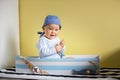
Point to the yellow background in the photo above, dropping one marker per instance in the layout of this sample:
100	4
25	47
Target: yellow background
88	27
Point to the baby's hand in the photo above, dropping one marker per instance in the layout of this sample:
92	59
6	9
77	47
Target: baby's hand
58	48
62	43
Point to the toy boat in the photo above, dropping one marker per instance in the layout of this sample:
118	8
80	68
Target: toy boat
68	65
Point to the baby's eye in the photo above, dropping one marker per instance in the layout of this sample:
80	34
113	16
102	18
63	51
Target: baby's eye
56	29
50	28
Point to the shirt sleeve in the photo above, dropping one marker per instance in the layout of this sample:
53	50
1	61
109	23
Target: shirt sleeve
44	49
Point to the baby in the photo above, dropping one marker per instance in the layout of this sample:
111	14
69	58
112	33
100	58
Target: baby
49	44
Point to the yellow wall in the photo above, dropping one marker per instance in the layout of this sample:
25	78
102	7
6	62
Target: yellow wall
89	27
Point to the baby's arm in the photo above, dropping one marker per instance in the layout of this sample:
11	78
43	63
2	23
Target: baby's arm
48	51
45	50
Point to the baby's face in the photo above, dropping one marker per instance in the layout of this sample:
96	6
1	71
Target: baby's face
51	31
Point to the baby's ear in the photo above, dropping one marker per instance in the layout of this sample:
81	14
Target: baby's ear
59	27
43	28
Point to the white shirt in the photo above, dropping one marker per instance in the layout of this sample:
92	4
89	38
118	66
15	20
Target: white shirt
46	48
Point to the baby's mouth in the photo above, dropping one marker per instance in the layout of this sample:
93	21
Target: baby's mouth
52	35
